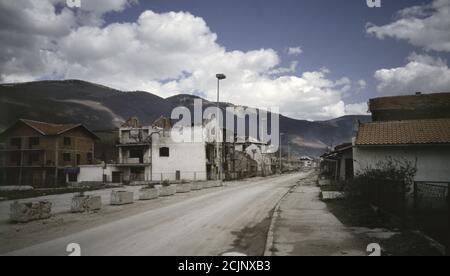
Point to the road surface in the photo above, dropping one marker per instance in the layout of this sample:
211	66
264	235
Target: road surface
196	225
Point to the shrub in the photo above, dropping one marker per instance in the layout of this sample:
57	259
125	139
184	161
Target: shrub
166	183
393	175
149	186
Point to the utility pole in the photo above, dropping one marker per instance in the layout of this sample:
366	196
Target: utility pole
289	152
263	140
218	156
281	162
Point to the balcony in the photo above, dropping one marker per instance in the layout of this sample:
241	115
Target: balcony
135	162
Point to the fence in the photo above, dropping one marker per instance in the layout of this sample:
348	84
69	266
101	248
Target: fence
389	196
427	207
179	176
431	209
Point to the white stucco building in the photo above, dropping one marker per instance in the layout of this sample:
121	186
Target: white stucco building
423	143
110	173
155	153
175	159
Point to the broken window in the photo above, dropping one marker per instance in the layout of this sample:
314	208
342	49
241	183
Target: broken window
67	157
164	152
15	158
16	142
33	141
34	157
67	141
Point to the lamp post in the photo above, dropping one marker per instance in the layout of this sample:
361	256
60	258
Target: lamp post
263	140
281	163
289	155
218	158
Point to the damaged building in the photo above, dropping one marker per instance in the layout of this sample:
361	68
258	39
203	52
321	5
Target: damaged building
41	154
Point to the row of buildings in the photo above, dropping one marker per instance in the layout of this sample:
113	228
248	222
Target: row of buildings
413	128
42	154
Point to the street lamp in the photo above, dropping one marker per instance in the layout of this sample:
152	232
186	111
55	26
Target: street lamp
281	164
219	163
263	140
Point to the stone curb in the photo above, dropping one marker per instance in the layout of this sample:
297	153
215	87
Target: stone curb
270	234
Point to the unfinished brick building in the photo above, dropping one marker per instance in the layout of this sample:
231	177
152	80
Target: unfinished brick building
41	154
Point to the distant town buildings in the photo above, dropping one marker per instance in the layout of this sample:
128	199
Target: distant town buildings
42	154
150	154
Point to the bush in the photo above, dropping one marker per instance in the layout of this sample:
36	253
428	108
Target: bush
166	183
390	175
149	186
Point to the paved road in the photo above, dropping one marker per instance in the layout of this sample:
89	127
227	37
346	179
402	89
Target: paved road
202	225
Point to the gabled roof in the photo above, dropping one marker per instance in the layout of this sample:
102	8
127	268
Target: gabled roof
431	131
48	129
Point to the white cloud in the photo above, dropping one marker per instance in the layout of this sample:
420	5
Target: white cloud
163	53
422	73
295	51
357	108
284	70
425	26
362	84
105	6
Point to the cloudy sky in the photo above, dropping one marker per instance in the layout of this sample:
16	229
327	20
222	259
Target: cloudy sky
315	59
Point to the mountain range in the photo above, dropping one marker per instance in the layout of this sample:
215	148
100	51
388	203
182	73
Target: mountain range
103	110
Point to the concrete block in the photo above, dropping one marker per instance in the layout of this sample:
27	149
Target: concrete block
332	195
15	188
197	186
184	188
29	211
324	182
167	190
217	184
139	183
121	197
209	184
148	193
213	184
82	204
